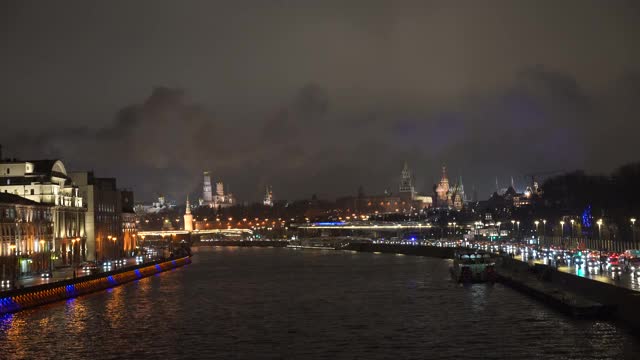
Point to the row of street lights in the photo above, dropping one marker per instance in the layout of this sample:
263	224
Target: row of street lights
599	222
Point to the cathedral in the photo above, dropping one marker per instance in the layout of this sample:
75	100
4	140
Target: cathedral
449	196
217	200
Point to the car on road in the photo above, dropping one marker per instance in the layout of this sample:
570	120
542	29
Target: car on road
89	266
46	275
613	263
593	261
634	266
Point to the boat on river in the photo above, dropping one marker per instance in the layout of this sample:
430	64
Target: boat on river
473	266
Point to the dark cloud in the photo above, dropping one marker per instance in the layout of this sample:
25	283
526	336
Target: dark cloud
323	98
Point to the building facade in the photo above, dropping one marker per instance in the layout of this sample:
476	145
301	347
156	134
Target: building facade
26	236
449	196
129	223
46	182
103	217
216	200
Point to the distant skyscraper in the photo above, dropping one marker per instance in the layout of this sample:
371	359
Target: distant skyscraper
207	195
188	218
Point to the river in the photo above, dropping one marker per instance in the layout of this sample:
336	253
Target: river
266	303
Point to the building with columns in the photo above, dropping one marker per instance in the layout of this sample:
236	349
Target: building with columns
26	236
46	182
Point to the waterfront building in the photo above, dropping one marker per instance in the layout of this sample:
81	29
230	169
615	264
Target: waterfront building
188	218
26	236
268	197
110	218
47	182
129	222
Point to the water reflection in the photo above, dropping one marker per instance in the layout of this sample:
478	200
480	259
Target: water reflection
279	303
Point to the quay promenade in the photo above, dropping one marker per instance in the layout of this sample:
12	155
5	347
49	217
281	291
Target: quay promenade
32	296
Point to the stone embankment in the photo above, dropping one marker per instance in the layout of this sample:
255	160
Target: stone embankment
571	294
16	300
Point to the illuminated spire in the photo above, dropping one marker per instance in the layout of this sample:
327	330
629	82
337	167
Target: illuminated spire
188	210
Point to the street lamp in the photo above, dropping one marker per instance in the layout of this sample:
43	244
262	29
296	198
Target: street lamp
13	272
537	232
544	229
599	222
562	233
73	258
42	250
572	222
633	231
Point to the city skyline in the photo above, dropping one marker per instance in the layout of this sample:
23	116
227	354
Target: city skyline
439	87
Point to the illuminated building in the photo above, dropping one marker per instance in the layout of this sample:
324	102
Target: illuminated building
26	235
155	208
129	225
188	218
407	191
220	199
268	197
449	197
407	200
207	195
47	182
110	220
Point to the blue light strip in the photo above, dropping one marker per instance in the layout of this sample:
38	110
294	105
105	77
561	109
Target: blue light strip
339	223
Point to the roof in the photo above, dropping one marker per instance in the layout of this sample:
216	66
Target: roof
42	166
6	198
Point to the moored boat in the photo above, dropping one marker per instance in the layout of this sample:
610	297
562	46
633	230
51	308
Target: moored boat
473	266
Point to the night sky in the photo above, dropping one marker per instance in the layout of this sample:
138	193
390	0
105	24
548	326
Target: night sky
320	96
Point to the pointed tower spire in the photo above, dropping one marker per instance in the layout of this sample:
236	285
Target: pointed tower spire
188	218
497	186
512	183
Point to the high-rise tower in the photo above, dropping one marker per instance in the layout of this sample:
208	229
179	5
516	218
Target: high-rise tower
207	195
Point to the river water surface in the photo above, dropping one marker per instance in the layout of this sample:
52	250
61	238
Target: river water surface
264	303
